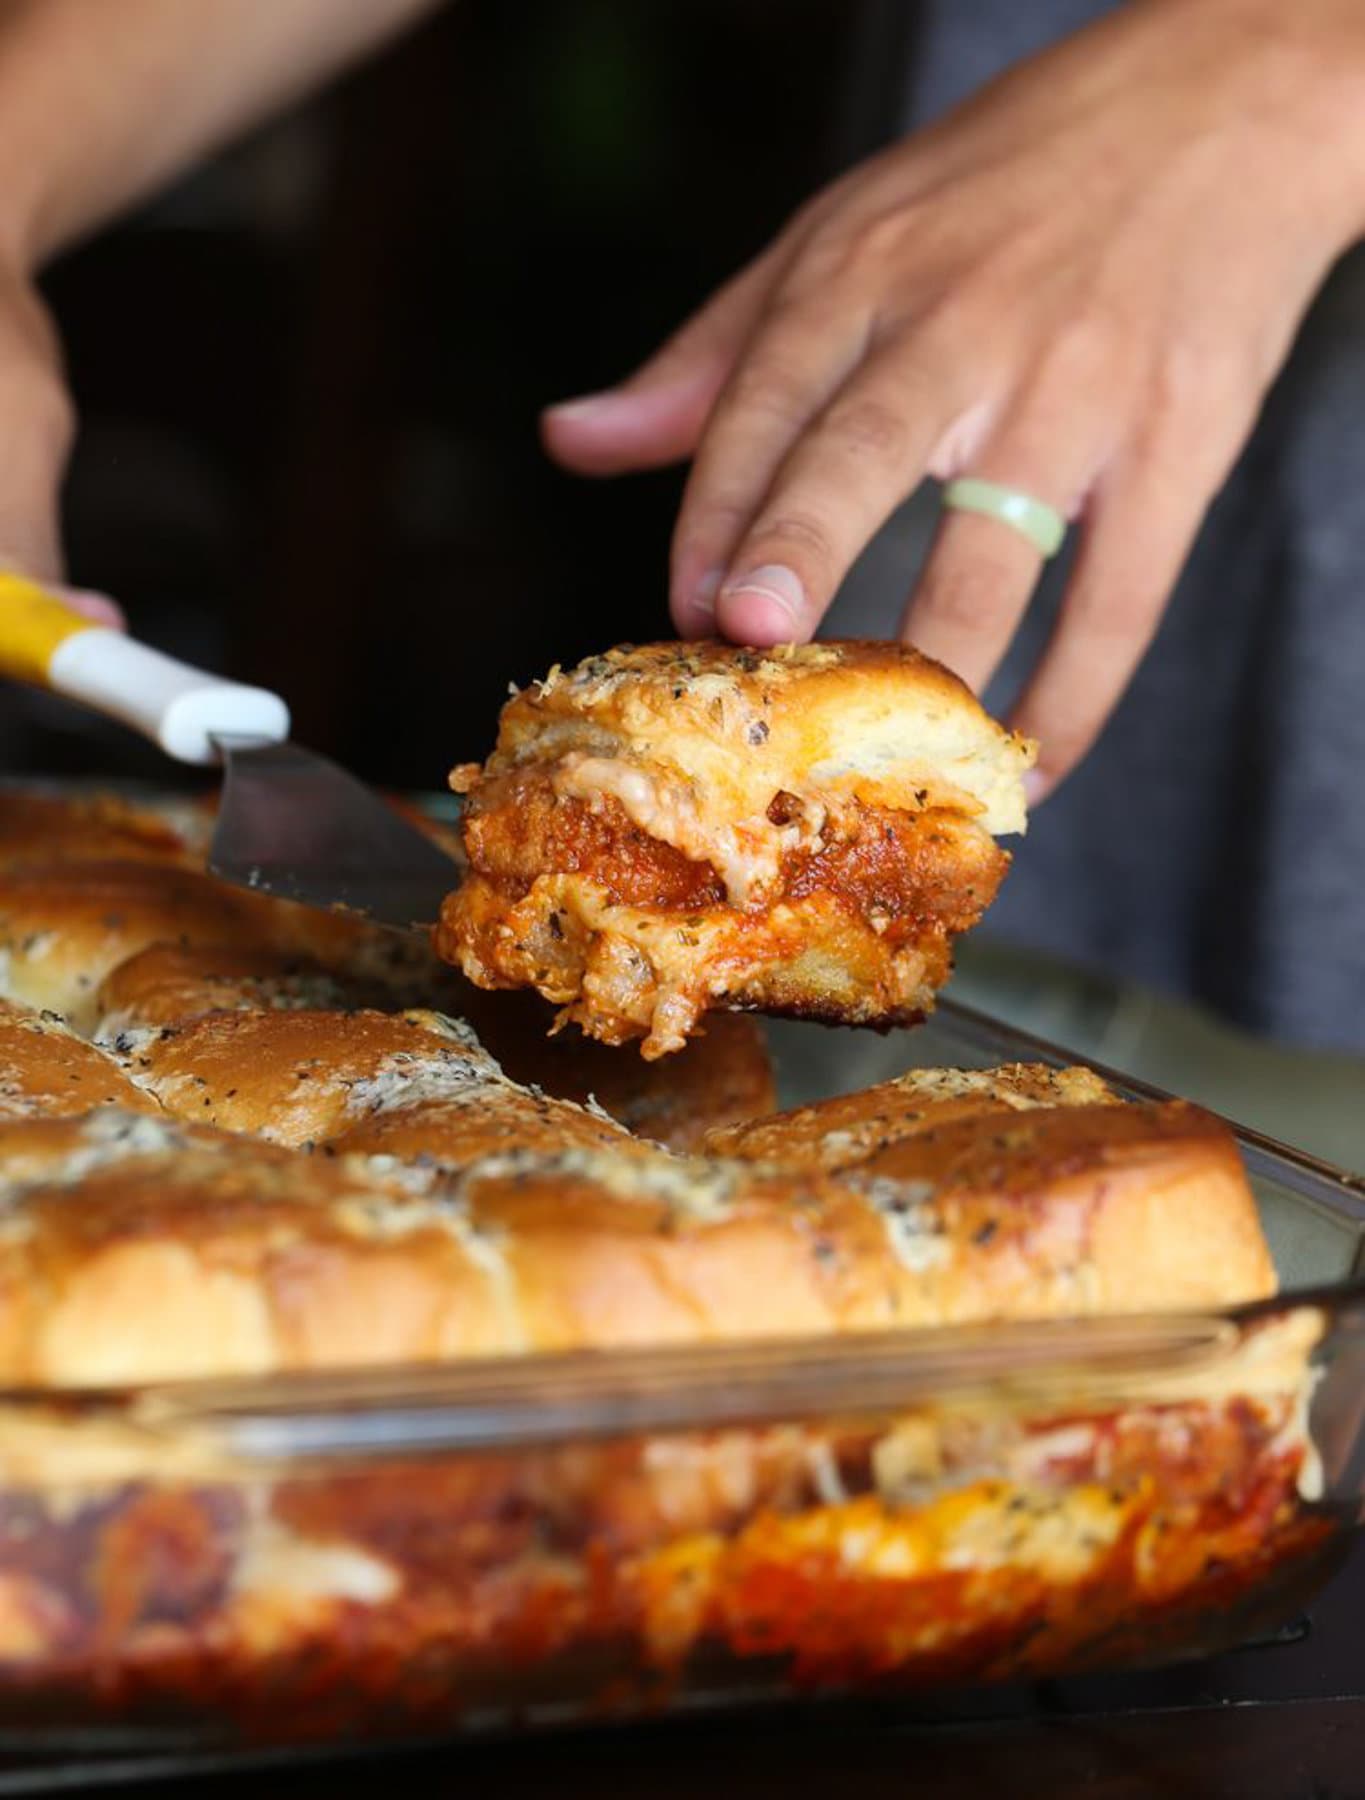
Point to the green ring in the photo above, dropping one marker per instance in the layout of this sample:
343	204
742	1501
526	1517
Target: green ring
1041	524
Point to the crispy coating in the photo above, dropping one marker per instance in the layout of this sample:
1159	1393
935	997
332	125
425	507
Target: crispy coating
626	973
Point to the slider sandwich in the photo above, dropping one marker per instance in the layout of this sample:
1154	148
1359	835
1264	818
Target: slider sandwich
679	827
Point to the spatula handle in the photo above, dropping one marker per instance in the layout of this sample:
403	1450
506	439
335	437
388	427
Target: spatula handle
45	642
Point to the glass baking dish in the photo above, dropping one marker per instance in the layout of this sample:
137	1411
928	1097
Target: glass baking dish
556	1539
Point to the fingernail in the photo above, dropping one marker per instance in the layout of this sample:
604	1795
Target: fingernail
98	607
703	596
771	582
584	406
1036	786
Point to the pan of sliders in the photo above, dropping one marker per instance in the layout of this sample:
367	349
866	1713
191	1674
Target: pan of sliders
374	1364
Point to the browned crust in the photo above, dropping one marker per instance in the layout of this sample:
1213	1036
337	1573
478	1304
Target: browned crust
169	984
48	1072
300	1076
65	926
487	1218
40	827
675	687
845	1131
279	1264
501	1118
1160	1184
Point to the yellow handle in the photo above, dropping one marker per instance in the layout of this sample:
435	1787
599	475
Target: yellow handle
32	624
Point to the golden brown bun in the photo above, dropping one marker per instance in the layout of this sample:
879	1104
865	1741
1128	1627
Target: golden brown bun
66	925
452	1133
1003	1158
844	1132
189	1258
413	1085
298	1077
868	720
42	827
48	1072
62	1148
723	1076
169	984
682	827
136	1247
98	827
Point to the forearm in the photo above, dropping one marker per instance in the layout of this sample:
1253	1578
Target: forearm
103	100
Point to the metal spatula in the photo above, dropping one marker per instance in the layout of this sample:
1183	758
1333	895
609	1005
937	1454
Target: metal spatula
291	823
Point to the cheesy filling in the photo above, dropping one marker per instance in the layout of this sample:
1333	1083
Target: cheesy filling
747	854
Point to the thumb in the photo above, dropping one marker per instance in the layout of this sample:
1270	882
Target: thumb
98	608
37	424
656	416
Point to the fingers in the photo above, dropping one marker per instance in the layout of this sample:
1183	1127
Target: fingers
1138	533
98	608
34	444
37	424
656	417
849	467
787	373
981	572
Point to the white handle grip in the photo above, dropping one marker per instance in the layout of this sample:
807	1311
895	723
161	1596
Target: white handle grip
176	706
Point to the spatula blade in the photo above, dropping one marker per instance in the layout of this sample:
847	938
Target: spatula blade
294	825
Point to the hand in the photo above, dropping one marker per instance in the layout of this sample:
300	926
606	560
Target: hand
1080	285
36	424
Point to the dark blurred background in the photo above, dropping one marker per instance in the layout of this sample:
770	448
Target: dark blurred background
309	376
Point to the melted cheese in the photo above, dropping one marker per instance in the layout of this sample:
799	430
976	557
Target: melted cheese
279	1564
746	854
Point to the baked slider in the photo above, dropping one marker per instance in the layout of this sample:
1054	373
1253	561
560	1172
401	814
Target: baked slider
672	828
268	1261
723	1078
1042	1179
47	1072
